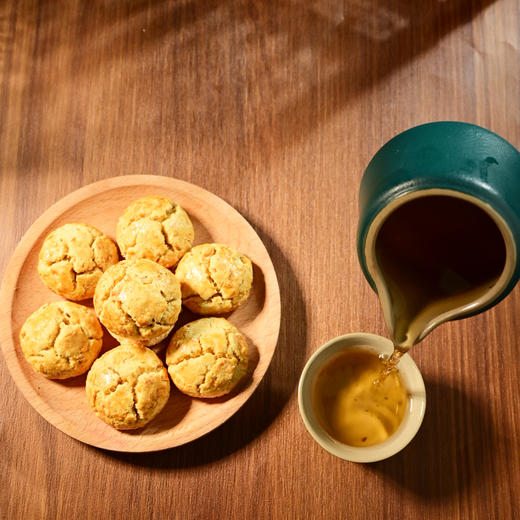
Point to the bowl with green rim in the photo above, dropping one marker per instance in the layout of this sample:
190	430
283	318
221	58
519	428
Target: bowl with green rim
454	160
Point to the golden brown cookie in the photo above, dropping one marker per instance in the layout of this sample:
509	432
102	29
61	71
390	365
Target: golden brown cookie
215	279
138	300
155	228
61	339
72	259
207	357
127	386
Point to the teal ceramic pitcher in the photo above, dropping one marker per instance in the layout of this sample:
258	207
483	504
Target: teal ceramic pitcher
439	226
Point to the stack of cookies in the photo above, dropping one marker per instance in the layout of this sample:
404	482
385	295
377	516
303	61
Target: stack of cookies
138	300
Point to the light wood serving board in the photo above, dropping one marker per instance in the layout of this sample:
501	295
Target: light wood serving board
64	403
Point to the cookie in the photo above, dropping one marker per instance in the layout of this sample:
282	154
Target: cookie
127	386
154	228
207	357
215	279
72	259
61	339
138	300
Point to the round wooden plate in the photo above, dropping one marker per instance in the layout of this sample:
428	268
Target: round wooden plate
64	403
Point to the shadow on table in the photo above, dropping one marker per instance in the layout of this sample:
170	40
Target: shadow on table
269	398
269	72
360	46
452	451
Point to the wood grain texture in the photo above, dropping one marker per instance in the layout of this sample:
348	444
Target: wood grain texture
64	403
276	107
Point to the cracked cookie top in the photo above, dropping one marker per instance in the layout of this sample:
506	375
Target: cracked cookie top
207	357
138	300
155	228
127	386
215	278
61	339
72	259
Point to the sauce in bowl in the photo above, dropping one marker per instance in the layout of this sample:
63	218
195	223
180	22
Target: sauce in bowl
353	403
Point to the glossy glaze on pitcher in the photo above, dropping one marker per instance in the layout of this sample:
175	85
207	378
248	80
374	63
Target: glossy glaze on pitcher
436	255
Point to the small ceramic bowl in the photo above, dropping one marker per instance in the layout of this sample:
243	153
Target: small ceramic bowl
410	376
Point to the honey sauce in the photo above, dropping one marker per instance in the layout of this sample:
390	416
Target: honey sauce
436	256
353	404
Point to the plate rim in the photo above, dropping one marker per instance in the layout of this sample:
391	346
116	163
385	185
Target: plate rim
26	243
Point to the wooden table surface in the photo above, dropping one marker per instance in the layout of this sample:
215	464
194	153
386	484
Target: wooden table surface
276	107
